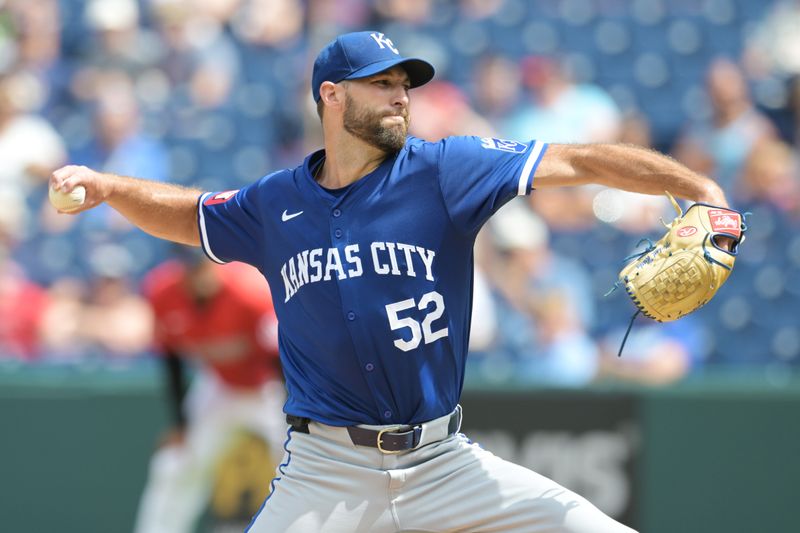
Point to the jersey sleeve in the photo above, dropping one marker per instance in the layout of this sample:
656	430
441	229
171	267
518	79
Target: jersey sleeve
230	225
479	175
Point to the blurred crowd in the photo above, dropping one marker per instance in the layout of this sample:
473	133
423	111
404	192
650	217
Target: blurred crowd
215	94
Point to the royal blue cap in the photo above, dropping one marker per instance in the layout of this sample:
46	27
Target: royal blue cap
361	54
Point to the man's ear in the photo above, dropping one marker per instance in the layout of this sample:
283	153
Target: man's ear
329	94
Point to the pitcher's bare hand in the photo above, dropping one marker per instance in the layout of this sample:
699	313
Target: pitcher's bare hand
98	186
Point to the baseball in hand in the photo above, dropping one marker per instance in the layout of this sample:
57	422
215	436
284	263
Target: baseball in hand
67	201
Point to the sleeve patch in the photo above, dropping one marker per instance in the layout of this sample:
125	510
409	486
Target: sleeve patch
220	197
503	145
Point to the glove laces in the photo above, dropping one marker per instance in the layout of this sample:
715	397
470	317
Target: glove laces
627	332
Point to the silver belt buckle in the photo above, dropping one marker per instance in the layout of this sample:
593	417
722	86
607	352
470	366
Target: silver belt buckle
380	439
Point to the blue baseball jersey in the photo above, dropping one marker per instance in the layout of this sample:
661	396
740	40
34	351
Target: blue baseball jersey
372	284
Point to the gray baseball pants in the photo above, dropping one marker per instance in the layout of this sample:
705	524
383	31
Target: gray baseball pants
327	484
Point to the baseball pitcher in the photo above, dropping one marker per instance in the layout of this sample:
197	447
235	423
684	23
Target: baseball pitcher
367	246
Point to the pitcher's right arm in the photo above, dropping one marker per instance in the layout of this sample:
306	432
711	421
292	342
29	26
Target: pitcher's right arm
163	210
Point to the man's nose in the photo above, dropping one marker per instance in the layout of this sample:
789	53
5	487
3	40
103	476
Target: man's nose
400	97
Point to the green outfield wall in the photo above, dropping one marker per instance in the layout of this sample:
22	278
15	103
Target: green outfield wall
718	454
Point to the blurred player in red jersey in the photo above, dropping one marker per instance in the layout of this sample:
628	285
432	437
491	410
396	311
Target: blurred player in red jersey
221	318
23	306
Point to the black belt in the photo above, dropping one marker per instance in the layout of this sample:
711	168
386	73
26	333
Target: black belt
392	439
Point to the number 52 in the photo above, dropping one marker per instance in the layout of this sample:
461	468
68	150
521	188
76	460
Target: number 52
418	331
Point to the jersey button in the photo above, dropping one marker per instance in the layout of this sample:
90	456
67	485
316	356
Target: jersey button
351	316
338	233
387	414
337	213
369	367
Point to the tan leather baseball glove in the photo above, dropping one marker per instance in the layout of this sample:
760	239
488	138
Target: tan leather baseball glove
685	269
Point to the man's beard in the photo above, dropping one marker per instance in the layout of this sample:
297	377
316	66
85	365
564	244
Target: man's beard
366	125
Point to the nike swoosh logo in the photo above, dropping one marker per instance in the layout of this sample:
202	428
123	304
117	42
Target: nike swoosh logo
286	217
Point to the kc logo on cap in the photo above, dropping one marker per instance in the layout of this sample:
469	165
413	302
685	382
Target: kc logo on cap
382	40
355	55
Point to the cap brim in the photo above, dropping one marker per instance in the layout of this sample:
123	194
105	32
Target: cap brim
419	71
